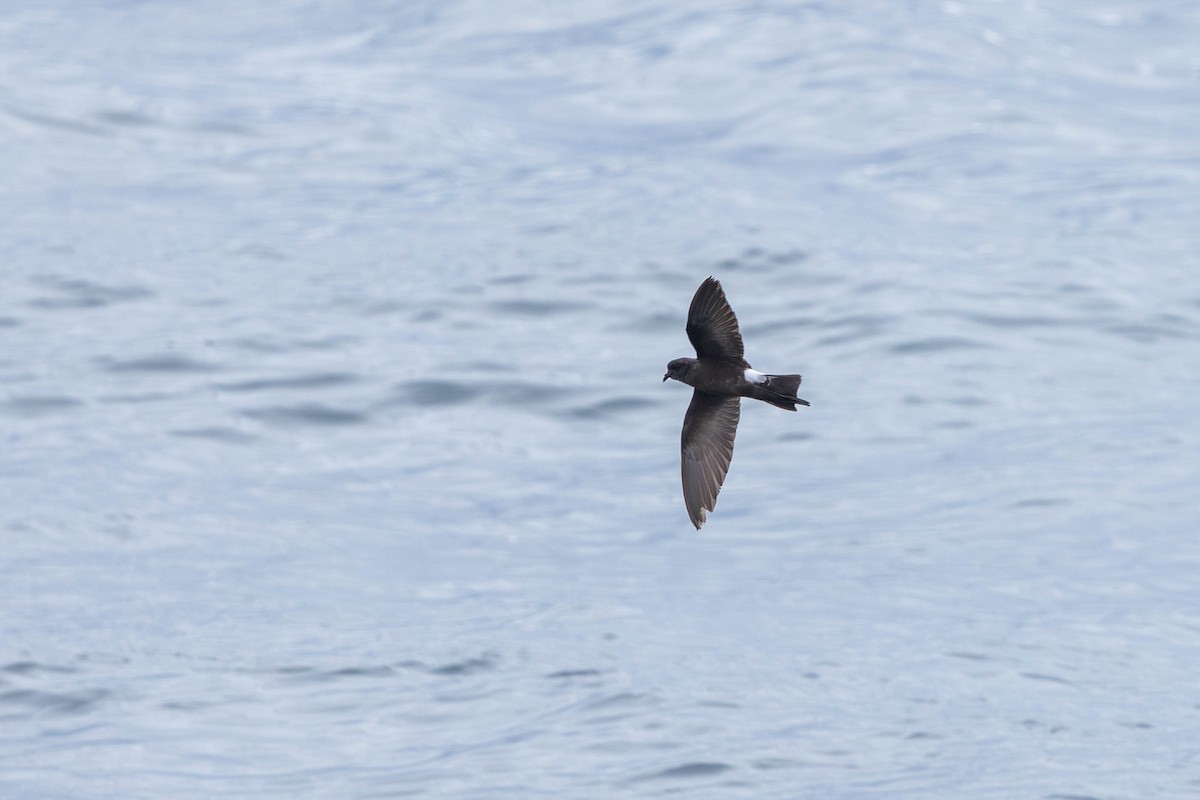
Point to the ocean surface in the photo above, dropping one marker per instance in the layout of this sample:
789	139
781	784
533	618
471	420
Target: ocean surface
335	460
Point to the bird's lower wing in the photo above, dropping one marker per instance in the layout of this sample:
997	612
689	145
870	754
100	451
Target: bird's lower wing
707	445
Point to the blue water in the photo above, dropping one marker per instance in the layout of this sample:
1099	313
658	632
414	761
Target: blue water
334	455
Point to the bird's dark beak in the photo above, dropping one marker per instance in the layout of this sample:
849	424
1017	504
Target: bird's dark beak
666	376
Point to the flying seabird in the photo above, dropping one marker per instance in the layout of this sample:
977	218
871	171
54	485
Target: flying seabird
721	377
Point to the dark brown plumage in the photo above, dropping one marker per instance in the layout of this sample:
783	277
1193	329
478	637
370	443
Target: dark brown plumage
721	377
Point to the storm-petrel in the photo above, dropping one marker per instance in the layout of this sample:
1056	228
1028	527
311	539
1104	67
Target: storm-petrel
721	377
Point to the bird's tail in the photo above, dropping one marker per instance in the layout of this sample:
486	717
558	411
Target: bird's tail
779	390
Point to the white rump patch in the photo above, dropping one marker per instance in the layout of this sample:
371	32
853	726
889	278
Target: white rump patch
754	376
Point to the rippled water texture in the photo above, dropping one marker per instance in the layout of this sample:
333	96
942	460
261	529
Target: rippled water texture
334	455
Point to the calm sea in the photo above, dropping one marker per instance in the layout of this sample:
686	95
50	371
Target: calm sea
335	460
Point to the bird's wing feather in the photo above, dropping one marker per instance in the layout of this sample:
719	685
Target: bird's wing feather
707	445
711	325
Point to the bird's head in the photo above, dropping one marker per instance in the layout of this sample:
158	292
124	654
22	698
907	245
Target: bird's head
678	369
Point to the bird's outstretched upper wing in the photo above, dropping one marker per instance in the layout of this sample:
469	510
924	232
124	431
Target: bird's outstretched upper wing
707	444
711	325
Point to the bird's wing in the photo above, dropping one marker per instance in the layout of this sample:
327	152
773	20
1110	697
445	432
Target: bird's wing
707	444
711	325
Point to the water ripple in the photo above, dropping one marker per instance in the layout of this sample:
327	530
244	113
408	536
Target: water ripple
216	434
485	662
165	362
435	392
56	122
575	673
314	380
311	675
935	344
534	308
850	328
469	666
54	702
306	414
75	293
613	407
35	667
690	770
36	406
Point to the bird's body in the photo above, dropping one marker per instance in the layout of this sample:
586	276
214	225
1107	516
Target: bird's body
717	378
720	376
